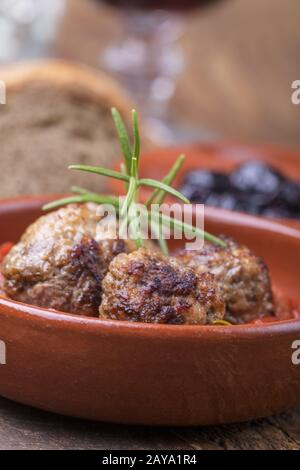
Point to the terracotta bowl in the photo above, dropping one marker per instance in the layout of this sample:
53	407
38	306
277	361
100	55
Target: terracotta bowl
220	156
154	374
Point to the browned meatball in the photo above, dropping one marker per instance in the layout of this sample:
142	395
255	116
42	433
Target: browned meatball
144	286
243	278
61	260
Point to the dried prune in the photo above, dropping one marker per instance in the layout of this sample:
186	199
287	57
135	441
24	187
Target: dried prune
257	181
290	193
253	187
223	200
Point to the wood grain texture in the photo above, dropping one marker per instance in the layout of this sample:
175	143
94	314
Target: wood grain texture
25	428
241	58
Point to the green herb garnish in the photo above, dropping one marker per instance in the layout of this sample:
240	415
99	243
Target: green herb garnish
129	174
222	323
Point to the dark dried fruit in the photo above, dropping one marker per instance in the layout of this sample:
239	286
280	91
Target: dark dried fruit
253	187
257	181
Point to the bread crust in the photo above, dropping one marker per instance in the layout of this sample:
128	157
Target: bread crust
79	78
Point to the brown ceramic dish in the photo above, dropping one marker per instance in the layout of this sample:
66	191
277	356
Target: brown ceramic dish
154	374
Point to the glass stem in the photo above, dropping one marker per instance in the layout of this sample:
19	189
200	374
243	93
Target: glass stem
147	59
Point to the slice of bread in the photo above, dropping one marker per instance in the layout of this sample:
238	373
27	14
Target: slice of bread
56	114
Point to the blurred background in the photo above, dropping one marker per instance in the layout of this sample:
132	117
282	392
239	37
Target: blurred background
212	69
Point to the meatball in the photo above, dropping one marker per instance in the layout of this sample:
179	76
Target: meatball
61	260
145	286
242	277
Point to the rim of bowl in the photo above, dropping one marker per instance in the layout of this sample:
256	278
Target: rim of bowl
65	320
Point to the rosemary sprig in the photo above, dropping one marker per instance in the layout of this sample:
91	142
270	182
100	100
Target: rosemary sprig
123	138
100	171
130	196
86	197
136	145
164	187
158	231
189	229
158	196
129	174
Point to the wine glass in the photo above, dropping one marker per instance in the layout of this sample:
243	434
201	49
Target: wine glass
147	60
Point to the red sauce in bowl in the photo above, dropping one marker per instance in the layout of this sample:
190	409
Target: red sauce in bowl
285	309
5	249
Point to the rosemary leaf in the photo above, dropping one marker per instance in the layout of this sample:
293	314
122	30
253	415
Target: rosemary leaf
123	138
136	136
158	195
103	199
100	171
134	167
170	177
156	227
129	197
137	235
159	185
89	197
163	246
124	172
166	220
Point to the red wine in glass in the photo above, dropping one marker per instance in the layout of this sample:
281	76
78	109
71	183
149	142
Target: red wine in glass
169	5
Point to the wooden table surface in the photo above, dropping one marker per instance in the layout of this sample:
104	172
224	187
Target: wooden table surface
25	428
244	54
22	427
